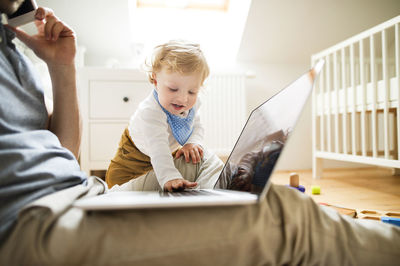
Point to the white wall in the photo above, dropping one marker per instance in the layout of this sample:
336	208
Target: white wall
268	80
102	26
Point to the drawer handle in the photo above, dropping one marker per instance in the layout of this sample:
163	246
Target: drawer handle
125	99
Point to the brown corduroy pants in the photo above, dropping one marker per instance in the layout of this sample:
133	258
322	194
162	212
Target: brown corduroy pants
128	163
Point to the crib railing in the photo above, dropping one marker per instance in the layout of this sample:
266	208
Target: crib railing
223	111
356	106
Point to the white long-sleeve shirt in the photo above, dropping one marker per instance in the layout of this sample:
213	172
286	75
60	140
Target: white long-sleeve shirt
152	135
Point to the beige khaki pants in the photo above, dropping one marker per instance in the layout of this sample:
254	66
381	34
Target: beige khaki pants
205	174
285	228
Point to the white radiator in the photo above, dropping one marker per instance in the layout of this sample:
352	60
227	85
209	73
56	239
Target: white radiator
223	111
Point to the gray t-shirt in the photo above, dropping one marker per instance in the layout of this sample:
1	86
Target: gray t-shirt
32	161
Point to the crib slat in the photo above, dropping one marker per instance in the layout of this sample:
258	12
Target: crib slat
344	88
386	94
314	116
316	162
353	113
322	95
374	127
336	85
397	55
363	99
328	87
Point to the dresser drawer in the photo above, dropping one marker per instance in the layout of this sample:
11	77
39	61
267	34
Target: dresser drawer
104	139
116	99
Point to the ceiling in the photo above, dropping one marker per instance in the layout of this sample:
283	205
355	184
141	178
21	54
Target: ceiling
276	31
290	31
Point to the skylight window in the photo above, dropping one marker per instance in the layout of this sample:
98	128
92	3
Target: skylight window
219	5
217	25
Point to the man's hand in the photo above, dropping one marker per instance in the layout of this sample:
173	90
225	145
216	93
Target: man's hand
190	150
178	185
55	42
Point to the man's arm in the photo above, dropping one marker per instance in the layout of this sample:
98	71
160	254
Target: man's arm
55	44
65	121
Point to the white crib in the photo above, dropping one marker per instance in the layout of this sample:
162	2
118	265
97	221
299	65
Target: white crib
356	106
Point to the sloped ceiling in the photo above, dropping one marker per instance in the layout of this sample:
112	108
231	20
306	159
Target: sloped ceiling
290	31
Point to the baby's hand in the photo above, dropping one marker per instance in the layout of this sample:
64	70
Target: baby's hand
191	150
178	185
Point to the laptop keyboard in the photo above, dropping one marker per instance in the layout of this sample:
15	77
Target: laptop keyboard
189	192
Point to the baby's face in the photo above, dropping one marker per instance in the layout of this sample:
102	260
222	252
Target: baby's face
177	92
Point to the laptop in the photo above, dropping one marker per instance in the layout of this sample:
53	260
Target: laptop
245	177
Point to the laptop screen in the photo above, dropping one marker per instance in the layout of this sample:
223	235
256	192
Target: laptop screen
264	135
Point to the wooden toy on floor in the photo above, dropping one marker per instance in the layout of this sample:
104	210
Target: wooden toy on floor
388	217
368	214
295	182
346	211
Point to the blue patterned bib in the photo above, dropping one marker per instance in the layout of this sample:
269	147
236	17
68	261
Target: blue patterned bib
182	127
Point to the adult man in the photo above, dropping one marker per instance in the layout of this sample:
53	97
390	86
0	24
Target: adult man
40	179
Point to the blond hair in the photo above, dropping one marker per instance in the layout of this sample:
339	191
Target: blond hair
178	56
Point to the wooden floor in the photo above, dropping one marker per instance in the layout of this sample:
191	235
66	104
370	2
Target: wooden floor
360	188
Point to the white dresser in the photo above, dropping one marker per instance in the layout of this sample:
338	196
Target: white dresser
108	97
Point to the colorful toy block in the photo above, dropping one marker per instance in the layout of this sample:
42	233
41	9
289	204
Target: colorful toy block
295	183
315	190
